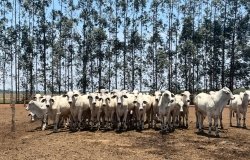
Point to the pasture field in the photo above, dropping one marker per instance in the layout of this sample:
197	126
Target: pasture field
29	142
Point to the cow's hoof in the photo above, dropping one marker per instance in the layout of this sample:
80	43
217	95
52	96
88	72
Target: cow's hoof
244	127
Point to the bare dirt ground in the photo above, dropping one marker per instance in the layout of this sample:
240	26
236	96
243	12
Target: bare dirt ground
29	142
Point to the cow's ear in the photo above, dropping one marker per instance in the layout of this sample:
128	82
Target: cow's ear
125	96
65	95
172	95
113	96
108	99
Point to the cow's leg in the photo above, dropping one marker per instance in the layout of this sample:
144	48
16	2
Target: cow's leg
148	119
238	118
112	121
199	120
209	123
118	121
125	120
143	120
79	120
216	126
98	118
106	120
230	116
154	120
187	114
183	119
44	122
244	120
162	122
221	125
56	121
92	119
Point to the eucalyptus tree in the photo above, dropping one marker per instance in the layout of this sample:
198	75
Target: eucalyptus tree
4	10
143	21
126	21
86	41
155	40
186	53
134	42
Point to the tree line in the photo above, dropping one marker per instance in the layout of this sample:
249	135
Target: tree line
58	45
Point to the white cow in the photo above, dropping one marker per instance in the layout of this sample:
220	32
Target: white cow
176	109
72	97
212	93
94	109
57	108
185	113
60	109
155	109
211	106
104	109
131	116
80	112
142	106
40	110
164	109
121	109
37	98
239	105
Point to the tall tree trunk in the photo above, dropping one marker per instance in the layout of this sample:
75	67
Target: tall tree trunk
52	50
125	45
232	60
170	47
141	49
223	46
116	40
44	50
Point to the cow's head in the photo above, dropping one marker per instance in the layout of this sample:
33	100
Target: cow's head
228	92
178	99
140	102
104	100
47	99
37	97
71	96
93	97
157	95
186	97
120	97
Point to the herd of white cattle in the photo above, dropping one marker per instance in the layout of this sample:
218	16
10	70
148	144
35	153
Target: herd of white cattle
122	110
